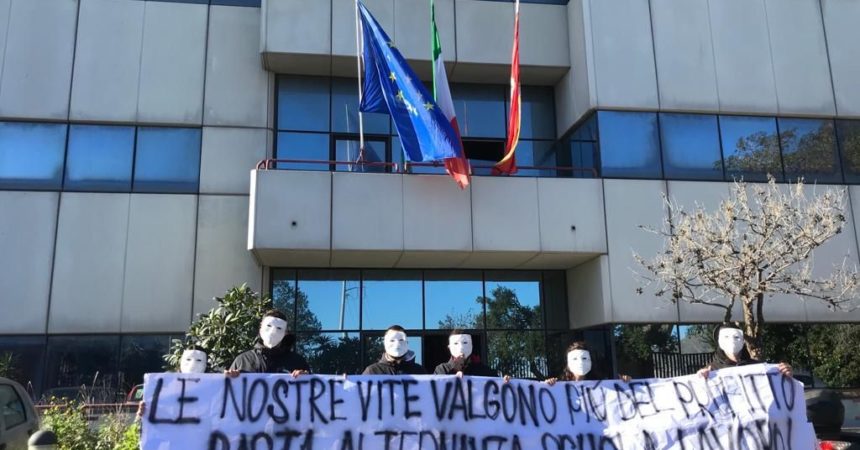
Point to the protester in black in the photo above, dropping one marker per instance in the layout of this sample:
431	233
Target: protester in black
463	361
732	352
273	353
397	358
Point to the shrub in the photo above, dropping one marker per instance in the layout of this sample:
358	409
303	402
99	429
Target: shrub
69	423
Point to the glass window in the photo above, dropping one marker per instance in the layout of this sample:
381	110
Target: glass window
647	351
24	359
349	150
391	297
535	153
849	146
555	299
513	300
520	354
453	299
88	361
167	160
809	150
374	347
397	155
332	298
284	294
31	155
140	355
629	144
303	146
538	113
100	158
332	353
698	338
480	110
750	147
303	103
691	147
11	407
344	110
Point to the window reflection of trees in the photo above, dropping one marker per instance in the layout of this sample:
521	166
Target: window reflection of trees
757	153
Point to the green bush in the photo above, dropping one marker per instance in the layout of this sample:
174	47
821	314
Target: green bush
130	438
111	431
69	423
226	330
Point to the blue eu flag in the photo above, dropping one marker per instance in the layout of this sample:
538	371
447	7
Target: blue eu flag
391	87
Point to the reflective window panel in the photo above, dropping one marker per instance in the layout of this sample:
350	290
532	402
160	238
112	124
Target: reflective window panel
809	150
513	300
391	297
332	298
350	150
480	109
537	119
750	148
849	147
629	144
167	160
344	110
31	155
100	158
453	299
89	361
303	103
303	146
332	353
691	147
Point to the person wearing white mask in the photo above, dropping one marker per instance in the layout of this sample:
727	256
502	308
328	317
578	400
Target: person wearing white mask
732	352
193	360
578	364
397	358
463	361
273	352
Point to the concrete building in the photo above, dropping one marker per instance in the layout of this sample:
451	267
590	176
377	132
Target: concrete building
130	131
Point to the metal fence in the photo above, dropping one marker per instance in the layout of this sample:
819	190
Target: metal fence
668	365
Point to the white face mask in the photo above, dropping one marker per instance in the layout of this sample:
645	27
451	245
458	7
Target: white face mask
396	344
460	345
192	361
579	362
272	331
731	341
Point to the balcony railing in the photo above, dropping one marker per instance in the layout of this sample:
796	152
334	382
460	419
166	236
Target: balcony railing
406	168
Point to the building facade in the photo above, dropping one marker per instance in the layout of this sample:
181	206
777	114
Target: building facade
131	194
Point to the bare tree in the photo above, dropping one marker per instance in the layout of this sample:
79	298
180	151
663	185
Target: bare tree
757	244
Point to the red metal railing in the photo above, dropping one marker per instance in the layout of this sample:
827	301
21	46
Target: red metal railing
271	164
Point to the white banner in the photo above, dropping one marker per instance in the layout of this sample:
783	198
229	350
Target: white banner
752	407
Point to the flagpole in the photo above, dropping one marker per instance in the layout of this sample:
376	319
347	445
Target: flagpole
358	45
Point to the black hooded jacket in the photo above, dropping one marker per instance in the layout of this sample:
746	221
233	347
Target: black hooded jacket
395	366
469	366
280	359
721	361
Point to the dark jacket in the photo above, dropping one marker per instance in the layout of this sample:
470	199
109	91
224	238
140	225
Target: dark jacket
469	366
281	359
721	361
391	366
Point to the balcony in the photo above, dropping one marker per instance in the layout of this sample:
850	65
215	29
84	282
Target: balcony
350	219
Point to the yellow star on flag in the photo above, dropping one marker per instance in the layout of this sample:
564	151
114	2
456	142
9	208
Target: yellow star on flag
428	106
391	44
400	96
392	77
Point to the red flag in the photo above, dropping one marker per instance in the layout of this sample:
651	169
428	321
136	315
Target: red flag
508	164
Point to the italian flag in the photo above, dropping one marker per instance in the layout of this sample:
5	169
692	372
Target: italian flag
458	168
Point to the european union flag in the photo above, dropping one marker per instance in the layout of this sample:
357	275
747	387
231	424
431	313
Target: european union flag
390	86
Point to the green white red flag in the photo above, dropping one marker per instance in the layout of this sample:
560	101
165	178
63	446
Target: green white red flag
459	167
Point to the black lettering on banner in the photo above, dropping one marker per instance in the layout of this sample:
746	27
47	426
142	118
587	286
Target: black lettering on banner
625	402
489	440
770	377
347	442
723	397
543	395
432	438
789	401
574	405
261	383
471	402
287	435
751	379
390	384
599	410
746	393
491	405
270	443
379	401
608	442
283	416
528	403
364	399
388	435
334	400
442	405
649	399
648	439
509	414
218	441
408	399
182	400
317	392
708	438
515	443
228	392
403	436
684	392
297	384
458	400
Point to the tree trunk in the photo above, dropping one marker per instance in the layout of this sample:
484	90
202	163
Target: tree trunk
752	325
